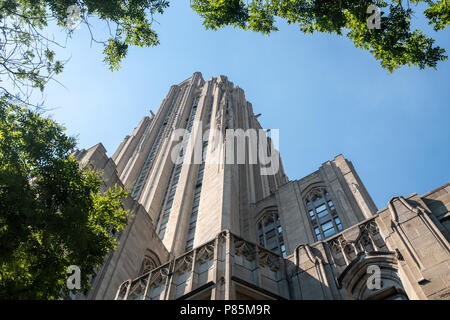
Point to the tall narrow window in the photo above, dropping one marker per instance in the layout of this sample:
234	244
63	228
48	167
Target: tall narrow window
137	190
195	202
168	201
270	233
208	116
322	214
171	188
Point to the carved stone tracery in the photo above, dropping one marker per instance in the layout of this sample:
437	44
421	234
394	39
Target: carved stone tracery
317	192
267	259
205	253
158	277
244	249
184	264
363	243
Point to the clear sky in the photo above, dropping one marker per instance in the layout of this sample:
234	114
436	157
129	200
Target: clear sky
324	95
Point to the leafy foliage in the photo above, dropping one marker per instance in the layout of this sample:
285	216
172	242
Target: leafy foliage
439	14
396	44
27	54
27	57
52	213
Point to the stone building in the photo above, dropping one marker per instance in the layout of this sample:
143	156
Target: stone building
206	229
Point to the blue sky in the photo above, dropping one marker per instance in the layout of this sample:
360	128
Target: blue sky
326	97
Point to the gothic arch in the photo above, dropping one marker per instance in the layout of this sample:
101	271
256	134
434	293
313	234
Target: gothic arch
269	230
357	278
123	290
321	212
312	188
265	212
149	262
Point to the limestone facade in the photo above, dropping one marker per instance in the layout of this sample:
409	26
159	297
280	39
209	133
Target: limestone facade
207	230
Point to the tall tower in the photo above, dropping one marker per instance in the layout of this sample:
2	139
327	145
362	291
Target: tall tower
193	200
215	217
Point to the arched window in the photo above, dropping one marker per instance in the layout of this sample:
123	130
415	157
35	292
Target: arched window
149	263
322	214
270	234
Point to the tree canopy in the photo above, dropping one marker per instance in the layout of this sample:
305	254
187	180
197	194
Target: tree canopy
395	44
27	55
52	213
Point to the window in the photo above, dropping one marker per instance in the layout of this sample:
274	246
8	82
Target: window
168	200
322	213
195	203
208	117
173	180
137	189
270	233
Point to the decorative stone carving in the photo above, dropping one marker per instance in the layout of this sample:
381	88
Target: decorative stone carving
268	259
183	264
137	289
123	290
222	237
158	277
354	241
205	253
229	116
354	278
219	116
334	245
150	262
245	249
315	193
370	226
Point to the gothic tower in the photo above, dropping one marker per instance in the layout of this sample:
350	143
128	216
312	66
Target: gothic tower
215	216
